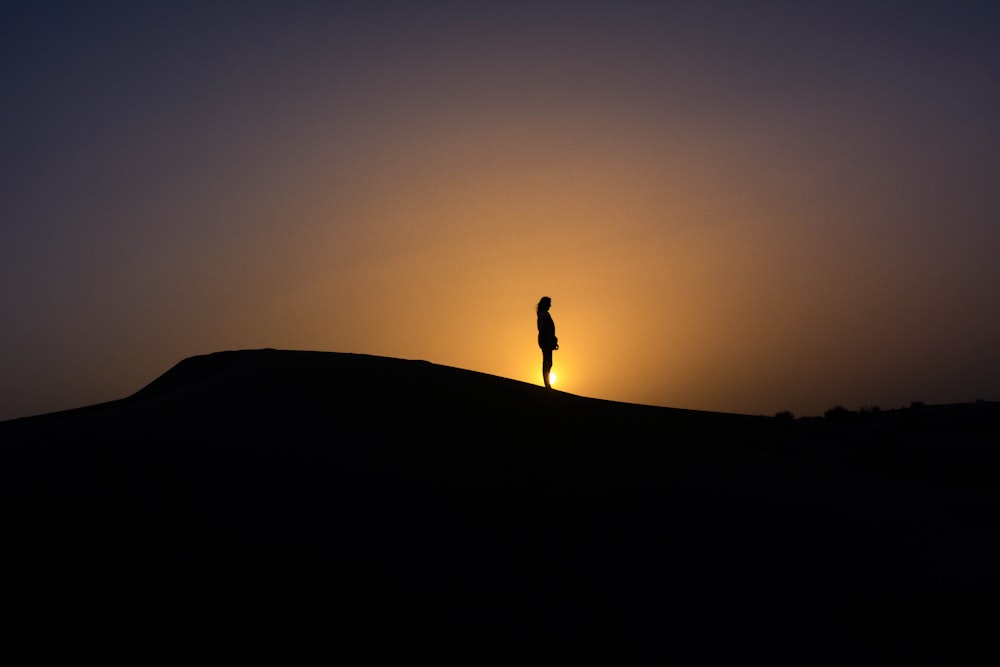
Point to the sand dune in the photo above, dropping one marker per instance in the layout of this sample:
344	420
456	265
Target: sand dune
280	500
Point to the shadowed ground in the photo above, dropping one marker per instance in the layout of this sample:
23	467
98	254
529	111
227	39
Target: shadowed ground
277	500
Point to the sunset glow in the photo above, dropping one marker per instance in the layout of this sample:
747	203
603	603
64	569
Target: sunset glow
735	209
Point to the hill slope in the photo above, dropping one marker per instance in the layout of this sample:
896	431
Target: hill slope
400	507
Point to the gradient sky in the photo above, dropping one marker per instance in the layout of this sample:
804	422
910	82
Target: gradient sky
735	206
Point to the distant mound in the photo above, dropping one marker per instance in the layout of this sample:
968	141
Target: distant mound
349	502
281	372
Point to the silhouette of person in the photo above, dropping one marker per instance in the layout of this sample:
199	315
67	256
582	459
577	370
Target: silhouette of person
546	337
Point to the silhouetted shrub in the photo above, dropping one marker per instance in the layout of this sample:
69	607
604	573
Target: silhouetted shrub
784	415
838	413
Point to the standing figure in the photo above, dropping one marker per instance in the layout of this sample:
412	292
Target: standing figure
546	337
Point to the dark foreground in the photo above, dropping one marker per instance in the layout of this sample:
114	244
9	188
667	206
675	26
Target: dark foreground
368	508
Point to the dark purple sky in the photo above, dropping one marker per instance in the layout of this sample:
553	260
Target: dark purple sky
736	206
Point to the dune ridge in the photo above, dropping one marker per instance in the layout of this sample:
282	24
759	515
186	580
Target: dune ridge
350	501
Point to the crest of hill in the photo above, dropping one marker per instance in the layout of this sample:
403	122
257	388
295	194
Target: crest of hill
435	422
345	392
286	376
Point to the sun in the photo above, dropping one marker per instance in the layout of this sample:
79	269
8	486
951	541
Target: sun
552	377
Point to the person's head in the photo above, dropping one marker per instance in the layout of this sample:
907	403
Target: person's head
544	304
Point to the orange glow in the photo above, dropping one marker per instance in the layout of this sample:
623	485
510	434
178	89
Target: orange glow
720	226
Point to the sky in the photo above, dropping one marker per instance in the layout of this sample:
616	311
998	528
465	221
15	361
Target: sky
745	207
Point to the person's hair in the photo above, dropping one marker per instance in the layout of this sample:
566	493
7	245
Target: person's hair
543	304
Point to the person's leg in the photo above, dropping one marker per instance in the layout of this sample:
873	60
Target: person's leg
546	366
